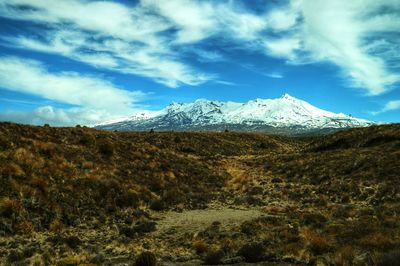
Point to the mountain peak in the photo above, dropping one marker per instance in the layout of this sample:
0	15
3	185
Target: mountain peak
202	100
174	104
286	112
286	96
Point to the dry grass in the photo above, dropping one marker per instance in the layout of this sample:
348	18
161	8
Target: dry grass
200	247
344	256
377	241
317	242
331	198
56	226
10	207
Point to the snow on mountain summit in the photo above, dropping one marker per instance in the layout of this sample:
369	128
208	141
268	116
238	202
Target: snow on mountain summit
254	115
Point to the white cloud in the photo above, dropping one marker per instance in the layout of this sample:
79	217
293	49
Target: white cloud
58	116
208	56
274	75
199	20
389	106
108	18
392	105
285	48
360	36
282	19
338	31
153	62
194	20
132	40
95	99
226	83
106	35
239	24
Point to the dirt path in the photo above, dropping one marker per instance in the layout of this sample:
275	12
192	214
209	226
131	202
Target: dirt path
195	220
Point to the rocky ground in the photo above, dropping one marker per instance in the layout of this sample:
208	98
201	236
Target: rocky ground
79	196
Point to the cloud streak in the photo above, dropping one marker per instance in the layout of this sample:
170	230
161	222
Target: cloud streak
105	35
147	39
389	106
339	32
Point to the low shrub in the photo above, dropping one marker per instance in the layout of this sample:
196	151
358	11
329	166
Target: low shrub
157	205
253	252
146	258
56	226
9	207
200	247
145	226
105	147
316	220
187	149
391	258
344	256
317	242
376	241
87	139
214	257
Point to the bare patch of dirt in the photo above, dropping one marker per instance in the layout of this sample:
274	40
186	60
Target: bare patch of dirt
195	220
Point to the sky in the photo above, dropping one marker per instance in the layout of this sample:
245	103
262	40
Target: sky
69	62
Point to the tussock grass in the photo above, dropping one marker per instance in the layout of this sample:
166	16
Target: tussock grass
333	198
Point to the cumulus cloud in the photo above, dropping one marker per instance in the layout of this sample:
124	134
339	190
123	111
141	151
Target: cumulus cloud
93	99
58	116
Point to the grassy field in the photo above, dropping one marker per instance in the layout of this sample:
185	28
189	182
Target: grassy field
80	196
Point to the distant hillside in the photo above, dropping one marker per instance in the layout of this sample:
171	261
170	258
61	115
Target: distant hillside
81	195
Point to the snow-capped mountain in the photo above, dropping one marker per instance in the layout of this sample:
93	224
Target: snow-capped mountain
285	114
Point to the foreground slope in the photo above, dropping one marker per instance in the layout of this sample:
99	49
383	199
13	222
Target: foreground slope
79	195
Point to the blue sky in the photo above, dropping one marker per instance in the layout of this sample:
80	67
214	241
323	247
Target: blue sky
69	62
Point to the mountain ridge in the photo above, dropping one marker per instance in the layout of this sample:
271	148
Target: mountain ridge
286	114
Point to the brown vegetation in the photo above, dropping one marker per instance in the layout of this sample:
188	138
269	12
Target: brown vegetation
71	196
